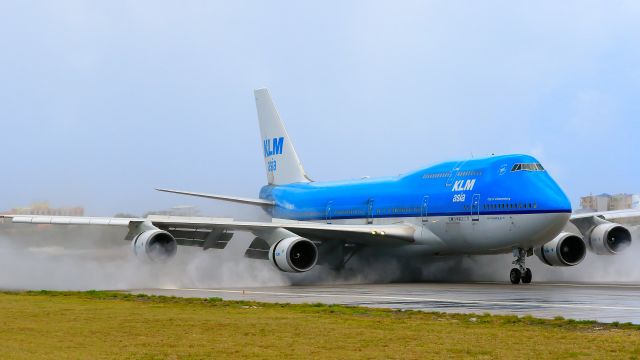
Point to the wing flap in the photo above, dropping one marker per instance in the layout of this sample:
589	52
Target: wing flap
259	249
392	235
206	237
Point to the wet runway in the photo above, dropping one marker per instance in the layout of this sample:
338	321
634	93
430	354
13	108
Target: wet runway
602	302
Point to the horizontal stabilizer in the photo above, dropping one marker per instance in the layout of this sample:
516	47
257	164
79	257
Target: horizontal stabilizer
241	200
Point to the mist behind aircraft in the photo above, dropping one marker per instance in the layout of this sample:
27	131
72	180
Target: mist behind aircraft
83	259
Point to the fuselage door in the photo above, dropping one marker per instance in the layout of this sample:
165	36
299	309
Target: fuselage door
424	209
370	211
328	212
475	208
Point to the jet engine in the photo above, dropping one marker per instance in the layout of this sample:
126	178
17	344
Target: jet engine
609	239
154	246
566	249
294	254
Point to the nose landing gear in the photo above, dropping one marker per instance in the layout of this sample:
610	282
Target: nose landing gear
521	272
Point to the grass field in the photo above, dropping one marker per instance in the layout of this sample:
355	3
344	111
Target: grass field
95	325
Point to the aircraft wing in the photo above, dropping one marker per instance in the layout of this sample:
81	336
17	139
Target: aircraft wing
629	217
210	232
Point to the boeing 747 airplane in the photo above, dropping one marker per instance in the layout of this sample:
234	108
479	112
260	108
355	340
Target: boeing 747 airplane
494	205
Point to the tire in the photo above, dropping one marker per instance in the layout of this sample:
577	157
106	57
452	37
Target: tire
515	275
526	277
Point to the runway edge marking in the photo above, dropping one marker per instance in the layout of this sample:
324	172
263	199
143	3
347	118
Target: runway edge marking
398	298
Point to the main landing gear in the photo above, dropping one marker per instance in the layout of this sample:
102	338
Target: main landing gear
351	251
520	272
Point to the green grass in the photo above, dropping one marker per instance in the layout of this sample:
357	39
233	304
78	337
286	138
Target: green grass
97	324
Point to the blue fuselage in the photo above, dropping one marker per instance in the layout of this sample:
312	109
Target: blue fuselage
498	185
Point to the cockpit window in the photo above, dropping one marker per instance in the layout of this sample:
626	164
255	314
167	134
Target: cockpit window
527	167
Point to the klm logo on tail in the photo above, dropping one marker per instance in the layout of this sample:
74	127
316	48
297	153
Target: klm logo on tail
273	146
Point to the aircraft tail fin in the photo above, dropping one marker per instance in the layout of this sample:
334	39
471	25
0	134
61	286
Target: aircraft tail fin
280	159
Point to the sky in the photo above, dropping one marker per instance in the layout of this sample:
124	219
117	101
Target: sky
101	101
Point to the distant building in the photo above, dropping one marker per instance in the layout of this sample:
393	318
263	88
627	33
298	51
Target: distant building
606	202
42	208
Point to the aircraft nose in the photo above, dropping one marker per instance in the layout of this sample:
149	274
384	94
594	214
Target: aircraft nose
563	202
554	198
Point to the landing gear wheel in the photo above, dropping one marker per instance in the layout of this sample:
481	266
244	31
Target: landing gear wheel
526	277
520	272
515	276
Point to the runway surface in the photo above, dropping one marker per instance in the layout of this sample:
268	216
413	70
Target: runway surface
602	302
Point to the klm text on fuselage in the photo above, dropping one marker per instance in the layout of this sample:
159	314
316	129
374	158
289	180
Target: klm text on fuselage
463	185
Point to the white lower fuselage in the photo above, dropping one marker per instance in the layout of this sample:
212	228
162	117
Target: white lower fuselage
484	234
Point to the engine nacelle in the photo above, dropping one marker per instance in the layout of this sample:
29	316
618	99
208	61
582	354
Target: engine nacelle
566	249
294	254
154	246
609	239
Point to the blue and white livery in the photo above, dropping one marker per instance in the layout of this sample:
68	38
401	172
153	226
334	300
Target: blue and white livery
499	204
